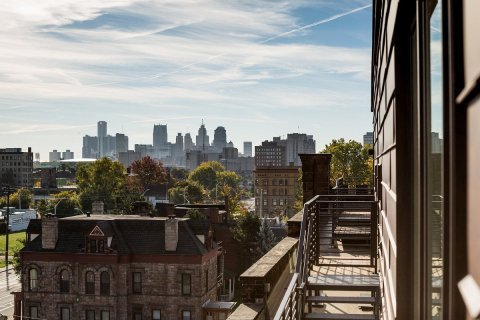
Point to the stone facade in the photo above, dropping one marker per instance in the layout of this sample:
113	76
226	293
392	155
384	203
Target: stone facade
109	267
161	289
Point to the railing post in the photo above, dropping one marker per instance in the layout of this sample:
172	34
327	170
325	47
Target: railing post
300	301
373	235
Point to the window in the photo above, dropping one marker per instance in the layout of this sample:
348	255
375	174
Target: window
65	313
186	284
105	315
101	246
64	281
93	246
281	202
265	191
137	314
90	314
137	282
265	182
286	182
32	279
89	283
33	311
274	202
265	202
156	315
186	315
104	283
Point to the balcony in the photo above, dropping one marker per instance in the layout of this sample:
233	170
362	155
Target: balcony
335	275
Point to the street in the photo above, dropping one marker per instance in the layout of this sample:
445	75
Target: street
9	282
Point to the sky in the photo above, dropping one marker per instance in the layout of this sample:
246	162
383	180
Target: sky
260	68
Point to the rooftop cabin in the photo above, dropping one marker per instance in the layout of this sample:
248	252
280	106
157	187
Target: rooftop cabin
415	253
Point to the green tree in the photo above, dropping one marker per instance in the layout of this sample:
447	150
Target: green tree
246	234
101	180
206	174
66	202
195	214
149	172
266	239
298	205
350	160
23	197
16	261
178	174
187	191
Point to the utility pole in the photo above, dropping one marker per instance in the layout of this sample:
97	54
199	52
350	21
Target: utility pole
6	191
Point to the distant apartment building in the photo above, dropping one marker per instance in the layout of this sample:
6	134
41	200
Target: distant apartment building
127	158
193	158
295	144
247	149
145	150
270	154
368	139
68	155
16	167
57	156
275	189
54	156
117	267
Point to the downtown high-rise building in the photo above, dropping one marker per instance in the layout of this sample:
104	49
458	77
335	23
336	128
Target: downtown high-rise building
121	143
247	148
102	138
188	142
202	139
368	138
104	145
160	135
219	139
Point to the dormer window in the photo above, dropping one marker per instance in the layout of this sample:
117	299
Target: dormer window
97	241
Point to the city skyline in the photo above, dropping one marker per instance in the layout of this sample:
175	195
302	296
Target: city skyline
251	67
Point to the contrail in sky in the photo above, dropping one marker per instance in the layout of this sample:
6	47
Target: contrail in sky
281	35
319	22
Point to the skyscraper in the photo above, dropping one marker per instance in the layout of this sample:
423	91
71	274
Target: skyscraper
160	135
90	147
203	140
220	139
121	143
368	138
247	148
188	145
102	135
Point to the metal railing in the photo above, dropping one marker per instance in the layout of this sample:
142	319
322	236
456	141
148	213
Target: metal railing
292	303
310	242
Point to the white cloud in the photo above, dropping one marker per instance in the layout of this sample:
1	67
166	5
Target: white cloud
198	57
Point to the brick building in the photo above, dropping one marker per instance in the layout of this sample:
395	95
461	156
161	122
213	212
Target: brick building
275	189
16	167
118	267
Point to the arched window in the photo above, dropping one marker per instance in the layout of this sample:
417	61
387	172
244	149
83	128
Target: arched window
32	279
89	283
105	283
64	281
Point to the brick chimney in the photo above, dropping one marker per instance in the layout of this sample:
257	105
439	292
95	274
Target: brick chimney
49	231
171	233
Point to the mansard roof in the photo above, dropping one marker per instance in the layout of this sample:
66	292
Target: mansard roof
130	235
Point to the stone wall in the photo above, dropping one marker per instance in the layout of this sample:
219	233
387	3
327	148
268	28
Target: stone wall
267	279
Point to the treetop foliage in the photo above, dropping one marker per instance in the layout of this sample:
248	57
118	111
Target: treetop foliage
350	160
